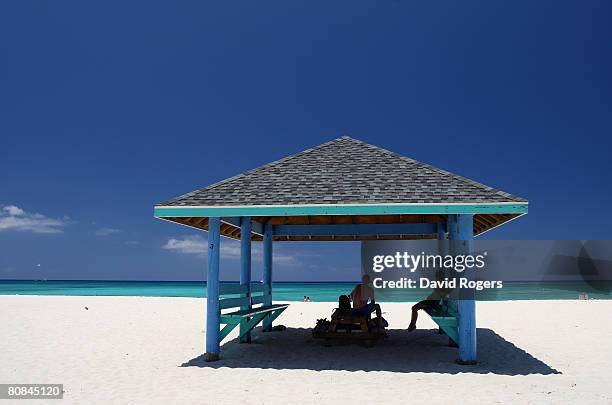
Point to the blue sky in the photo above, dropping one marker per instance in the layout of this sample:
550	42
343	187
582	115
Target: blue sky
109	107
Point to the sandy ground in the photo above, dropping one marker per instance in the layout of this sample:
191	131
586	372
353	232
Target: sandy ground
147	350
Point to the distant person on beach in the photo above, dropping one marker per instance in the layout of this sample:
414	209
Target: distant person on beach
361	294
432	301
305	298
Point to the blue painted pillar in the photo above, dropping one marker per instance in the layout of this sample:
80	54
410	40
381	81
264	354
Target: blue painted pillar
267	269
461	230
441	231
453	231
212	287
441	228
442	238
446	249
245	267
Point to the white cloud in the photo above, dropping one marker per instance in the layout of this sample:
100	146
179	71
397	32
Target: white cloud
187	245
107	231
198	245
285	259
230	249
13	210
13	218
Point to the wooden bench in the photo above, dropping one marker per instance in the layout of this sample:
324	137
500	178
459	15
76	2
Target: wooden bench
445	317
246	305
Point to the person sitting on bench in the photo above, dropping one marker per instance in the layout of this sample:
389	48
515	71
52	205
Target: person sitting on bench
432	301
360	296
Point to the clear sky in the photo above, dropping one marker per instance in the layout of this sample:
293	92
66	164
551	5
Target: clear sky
109	107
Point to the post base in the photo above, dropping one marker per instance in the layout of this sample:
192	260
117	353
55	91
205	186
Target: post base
211	356
466	362
266	326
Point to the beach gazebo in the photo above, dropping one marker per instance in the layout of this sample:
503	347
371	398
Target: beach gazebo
342	190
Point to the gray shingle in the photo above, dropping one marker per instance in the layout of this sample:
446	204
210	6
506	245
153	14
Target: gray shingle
343	171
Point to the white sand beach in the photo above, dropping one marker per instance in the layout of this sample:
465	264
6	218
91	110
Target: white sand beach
147	350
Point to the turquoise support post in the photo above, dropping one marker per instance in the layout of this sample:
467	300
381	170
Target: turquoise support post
267	270
462	231
212	287
245	270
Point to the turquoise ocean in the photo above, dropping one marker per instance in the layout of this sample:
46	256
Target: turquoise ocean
287	291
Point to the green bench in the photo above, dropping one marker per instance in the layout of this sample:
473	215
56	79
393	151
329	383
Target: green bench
247	306
446	318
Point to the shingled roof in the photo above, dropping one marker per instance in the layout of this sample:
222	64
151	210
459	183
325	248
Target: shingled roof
343	171
344	181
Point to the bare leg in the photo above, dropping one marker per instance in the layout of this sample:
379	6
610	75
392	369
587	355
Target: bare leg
415	315
378	316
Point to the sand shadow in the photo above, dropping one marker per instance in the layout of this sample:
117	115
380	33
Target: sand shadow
423	350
